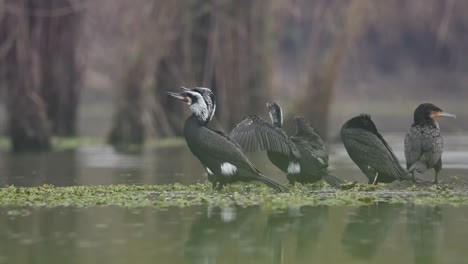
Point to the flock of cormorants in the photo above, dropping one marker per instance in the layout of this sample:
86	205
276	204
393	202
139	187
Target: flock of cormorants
304	157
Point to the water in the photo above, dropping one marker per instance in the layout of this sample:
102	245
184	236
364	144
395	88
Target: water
374	234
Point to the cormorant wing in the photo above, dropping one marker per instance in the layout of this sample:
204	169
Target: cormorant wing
222	149
313	148
311	141
370	153
254	133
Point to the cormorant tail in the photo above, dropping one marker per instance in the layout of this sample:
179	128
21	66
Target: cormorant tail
272	183
333	180
407	176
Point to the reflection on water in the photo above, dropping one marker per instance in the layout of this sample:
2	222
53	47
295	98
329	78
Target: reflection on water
368	227
377	234
424	226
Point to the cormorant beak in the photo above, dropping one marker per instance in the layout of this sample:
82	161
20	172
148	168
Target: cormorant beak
179	96
268	104
437	114
185	89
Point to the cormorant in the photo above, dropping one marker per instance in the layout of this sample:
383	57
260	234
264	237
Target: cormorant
369	150
223	159
303	157
423	142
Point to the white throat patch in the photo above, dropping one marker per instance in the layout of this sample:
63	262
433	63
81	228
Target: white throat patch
294	168
199	108
228	169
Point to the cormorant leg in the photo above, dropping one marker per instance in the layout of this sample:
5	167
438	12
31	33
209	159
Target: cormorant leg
375	179
291	179
220	186
214	184
412	175
437	168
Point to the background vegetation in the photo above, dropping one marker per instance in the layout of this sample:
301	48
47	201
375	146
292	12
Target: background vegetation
100	68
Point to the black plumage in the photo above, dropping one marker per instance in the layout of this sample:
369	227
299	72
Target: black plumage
423	142
369	150
222	158
303	157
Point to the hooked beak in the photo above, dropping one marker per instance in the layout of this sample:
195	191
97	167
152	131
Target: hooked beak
179	96
185	89
437	114
268	104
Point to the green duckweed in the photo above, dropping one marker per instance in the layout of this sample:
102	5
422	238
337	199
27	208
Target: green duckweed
178	195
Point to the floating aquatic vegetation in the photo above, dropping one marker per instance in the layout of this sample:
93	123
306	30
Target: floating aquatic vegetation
242	195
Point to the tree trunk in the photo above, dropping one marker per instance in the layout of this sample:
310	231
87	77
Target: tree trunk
321	79
57	43
27	120
241	59
128	128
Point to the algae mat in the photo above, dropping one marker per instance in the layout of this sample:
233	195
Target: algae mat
351	194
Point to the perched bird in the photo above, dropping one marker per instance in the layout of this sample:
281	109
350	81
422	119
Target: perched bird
223	159
423	142
303	157
369	150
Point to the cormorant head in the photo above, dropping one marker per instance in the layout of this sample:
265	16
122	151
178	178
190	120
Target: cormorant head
362	121
426	112
276	114
201	101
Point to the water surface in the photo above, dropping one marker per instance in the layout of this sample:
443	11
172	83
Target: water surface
380	233
375	234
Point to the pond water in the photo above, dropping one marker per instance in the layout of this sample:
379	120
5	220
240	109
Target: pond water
380	233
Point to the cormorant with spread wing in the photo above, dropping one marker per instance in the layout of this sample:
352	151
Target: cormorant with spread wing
303	157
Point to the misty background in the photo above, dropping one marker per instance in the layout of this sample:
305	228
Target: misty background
101	68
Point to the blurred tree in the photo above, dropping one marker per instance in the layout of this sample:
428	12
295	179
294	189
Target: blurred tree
128	129
241	58
27	121
324	46
56	39
42	75
223	45
216	44
136	100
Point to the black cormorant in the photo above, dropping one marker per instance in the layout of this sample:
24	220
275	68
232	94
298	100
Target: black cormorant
223	159
303	157
369	150
423	142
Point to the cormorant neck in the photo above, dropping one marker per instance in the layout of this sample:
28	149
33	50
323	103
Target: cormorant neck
276	118
197	119
418	120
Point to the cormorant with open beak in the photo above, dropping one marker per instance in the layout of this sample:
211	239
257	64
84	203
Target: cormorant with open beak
223	159
369	150
303	157
423	142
